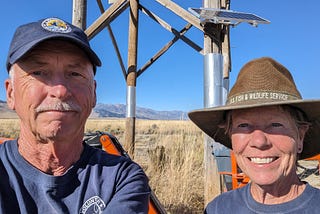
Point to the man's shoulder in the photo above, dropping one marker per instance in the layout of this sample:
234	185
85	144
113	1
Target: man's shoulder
7	146
101	158
96	154
111	166
6	141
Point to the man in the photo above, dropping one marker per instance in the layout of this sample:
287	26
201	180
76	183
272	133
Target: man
49	169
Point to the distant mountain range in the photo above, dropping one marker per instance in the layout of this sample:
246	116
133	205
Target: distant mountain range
119	111
114	111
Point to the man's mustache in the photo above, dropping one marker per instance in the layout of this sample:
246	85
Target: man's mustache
59	106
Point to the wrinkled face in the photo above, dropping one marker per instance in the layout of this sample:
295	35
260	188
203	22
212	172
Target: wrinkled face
266	141
52	89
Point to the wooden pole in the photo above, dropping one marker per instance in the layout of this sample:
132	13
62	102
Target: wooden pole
79	13
211	175
131	76
225	4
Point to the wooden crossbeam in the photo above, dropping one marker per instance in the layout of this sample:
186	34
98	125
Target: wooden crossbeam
163	50
169	28
179	11
110	14
114	42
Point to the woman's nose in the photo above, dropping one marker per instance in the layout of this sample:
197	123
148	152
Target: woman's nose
259	139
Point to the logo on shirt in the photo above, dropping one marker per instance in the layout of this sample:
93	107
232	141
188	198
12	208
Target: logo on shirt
93	205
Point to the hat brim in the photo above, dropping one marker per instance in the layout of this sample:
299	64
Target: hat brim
27	47
209	119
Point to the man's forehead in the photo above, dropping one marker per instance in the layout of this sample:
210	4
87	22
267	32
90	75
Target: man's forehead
49	48
41	58
58	45
43	54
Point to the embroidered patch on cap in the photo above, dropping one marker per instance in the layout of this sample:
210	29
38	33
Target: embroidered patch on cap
56	25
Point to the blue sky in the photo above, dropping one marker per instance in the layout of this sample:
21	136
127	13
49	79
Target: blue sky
175	81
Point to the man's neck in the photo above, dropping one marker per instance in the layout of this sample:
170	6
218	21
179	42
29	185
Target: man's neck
51	157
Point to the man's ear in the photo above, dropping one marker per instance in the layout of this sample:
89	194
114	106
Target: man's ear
9	92
94	94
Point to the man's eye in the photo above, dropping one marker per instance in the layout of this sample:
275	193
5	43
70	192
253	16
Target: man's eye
75	74
37	73
276	125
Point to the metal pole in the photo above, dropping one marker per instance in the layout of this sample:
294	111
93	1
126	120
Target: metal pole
213	69
79	13
131	77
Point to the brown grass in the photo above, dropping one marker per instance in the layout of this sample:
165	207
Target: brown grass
9	128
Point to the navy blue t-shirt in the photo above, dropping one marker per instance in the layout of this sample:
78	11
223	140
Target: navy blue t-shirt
97	183
240	201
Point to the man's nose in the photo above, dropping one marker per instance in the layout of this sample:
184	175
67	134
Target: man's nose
59	89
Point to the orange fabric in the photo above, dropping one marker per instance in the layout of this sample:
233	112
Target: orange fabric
238	179
108	145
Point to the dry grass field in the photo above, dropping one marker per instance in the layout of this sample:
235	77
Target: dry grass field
171	153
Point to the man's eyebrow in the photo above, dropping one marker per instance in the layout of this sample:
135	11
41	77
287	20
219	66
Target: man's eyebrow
32	63
34	59
75	64
37	63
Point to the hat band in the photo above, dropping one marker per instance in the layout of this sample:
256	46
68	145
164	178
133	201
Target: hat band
266	96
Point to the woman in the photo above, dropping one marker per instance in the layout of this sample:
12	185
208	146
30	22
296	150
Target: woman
269	127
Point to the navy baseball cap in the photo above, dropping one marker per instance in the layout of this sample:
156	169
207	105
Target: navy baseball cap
30	35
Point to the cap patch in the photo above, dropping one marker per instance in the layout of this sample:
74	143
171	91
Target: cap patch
55	25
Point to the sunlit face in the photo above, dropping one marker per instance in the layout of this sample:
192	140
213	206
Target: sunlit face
266	141
52	90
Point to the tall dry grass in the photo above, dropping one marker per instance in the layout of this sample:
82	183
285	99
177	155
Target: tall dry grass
9	128
171	153
174	165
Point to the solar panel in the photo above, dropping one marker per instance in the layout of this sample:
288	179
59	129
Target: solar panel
220	16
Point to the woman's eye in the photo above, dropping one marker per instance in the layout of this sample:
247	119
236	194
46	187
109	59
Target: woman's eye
243	125
241	128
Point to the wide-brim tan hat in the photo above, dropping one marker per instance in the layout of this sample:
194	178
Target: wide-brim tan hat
262	82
